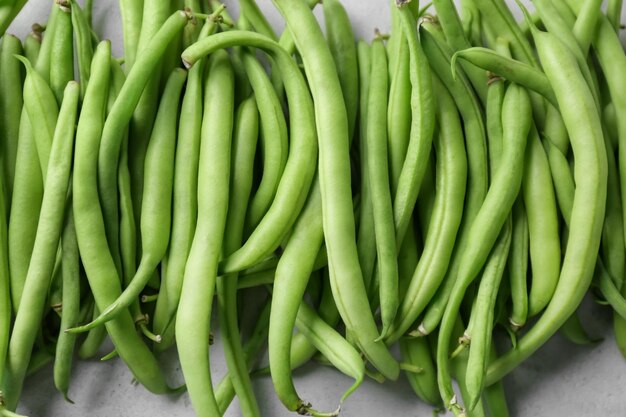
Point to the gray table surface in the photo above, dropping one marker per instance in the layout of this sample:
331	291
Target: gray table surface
561	379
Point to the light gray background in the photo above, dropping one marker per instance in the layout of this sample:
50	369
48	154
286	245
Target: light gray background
560	380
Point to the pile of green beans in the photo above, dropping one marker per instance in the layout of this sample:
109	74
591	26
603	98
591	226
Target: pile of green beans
456	186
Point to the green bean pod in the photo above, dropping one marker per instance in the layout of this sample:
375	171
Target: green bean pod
25	206
416	352
118	120
131	14
590	171
518	266
475	140
156	218
5	292
273	139
451	177
517	118
32	46
334	174
340	38
295	183
366	240
11	102
422	127
543	233
84	45
244	146
39	100
70	312
483	316
44	251
378	172
509	68
62	53
194	312
225	392
90	231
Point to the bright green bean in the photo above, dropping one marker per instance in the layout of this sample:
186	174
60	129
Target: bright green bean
84	45
297	178
10	109
39	100
90	231
340	39
416	352
518	266
244	146
451	176
273	139
590	171
482	319
194	312
422	127
544	245
334	169
485	228
62	51
378	172
131	14
156	218
71	305
44	251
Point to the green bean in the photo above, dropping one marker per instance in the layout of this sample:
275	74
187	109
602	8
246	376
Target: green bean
25	206
498	16
384	232
513	70
340	39
292	275
585	133
399	107
5	291
333	346
482	318
251	10
32	46
585	26
273	139
518	266
613	12
90	232
544	246
39	100
118	120
451	179
194	313
611	293
225	392
485	228
244	146
298	175
43	59
416	352
574	331
84	45
495	398
156	219
562	179
366	241
44	250
450	22
55	287
477	165
422	127
10	109
131	14
62	51
337	210
71	305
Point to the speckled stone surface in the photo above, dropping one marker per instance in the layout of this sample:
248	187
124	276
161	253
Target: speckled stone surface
560	380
